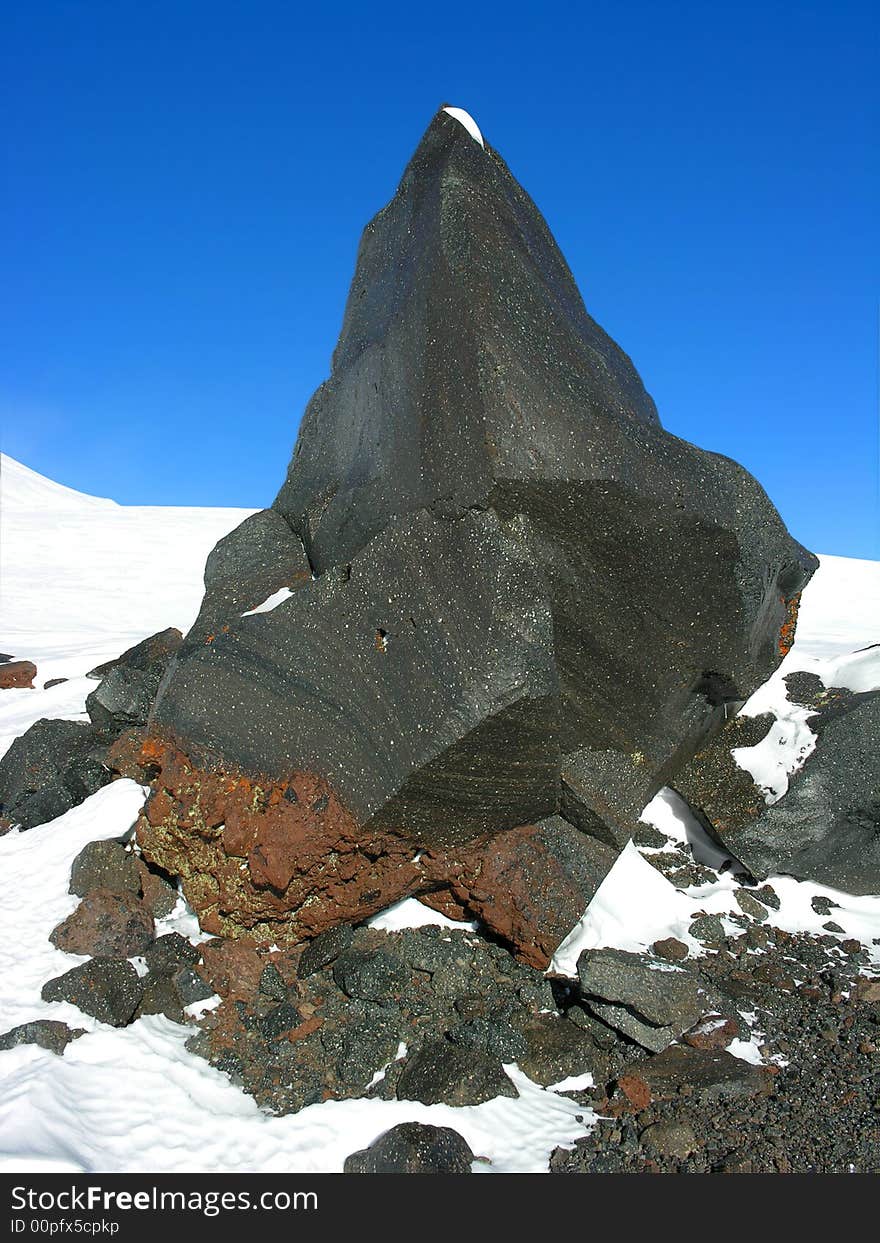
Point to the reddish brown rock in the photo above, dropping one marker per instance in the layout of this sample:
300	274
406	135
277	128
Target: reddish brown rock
714	1031
232	968
18	675
106	925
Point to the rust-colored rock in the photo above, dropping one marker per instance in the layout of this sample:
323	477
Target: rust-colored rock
106	924
714	1031
273	859
17	675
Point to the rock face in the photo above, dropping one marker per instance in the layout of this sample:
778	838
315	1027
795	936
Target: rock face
492	595
413	1148
826	827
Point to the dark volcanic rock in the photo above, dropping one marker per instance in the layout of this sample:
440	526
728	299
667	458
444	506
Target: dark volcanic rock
106	988
107	925
826	827
648	999
47	1033
413	1148
712	1073
17	674
129	684
105	865
445	1073
504	593
49	769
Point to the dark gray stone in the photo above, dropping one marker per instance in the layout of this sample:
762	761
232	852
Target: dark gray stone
413	1148
49	769
106	988
650	1000
513	593
190	987
371	976
324	949
105	865
441	1072
170	952
47	1033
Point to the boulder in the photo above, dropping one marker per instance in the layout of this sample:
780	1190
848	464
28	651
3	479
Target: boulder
108	989
128	685
442	1072
826	826
648	999
17	675
49	769
105	864
47	1033
107	925
493	597
413	1148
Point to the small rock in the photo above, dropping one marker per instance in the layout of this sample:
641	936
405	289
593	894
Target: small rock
670	1139
413	1148
159	896
712	1032
749	905
709	929
272	983
17	675
708	1073
325	949
371	976
822	905
105	865
441	1072
47	686
831	926
107	925
106	988
170	952
555	1050
47	1033
190	987
671	949
768	896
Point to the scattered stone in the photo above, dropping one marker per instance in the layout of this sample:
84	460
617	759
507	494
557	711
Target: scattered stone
413	1148
831	926
47	686
108	989
324	950
672	1139
709	929
105	865
647	999
715	1031
106	925
749	905
47	1033
49	769
709	1073
159	895
556	1049
822	905
170	952
445	1073
767	895
671	949
377	976
17	675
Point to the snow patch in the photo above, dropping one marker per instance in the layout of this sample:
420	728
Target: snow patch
271	602
468	122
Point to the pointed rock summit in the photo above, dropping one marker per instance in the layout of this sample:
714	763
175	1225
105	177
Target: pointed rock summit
492	610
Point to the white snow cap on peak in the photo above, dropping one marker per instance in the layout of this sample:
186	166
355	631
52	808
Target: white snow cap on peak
468	122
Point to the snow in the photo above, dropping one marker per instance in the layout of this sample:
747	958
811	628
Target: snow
277	597
83	578
410	913
468	122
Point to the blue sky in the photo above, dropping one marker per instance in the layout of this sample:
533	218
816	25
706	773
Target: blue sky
188	182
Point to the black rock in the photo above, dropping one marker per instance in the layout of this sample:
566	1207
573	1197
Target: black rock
105	865
826	827
648	999
324	949
511	591
49	769
106	988
441	1072
272	983
371	976
413	1148
170	952
129	684
190	987
47	1033
53	682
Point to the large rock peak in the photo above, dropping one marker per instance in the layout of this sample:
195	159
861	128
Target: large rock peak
494	607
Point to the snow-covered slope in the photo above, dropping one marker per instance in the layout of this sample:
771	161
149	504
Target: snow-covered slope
81	579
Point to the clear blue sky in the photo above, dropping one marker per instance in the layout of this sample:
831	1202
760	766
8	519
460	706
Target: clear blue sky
188	182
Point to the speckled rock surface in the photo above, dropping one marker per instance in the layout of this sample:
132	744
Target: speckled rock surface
494	590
